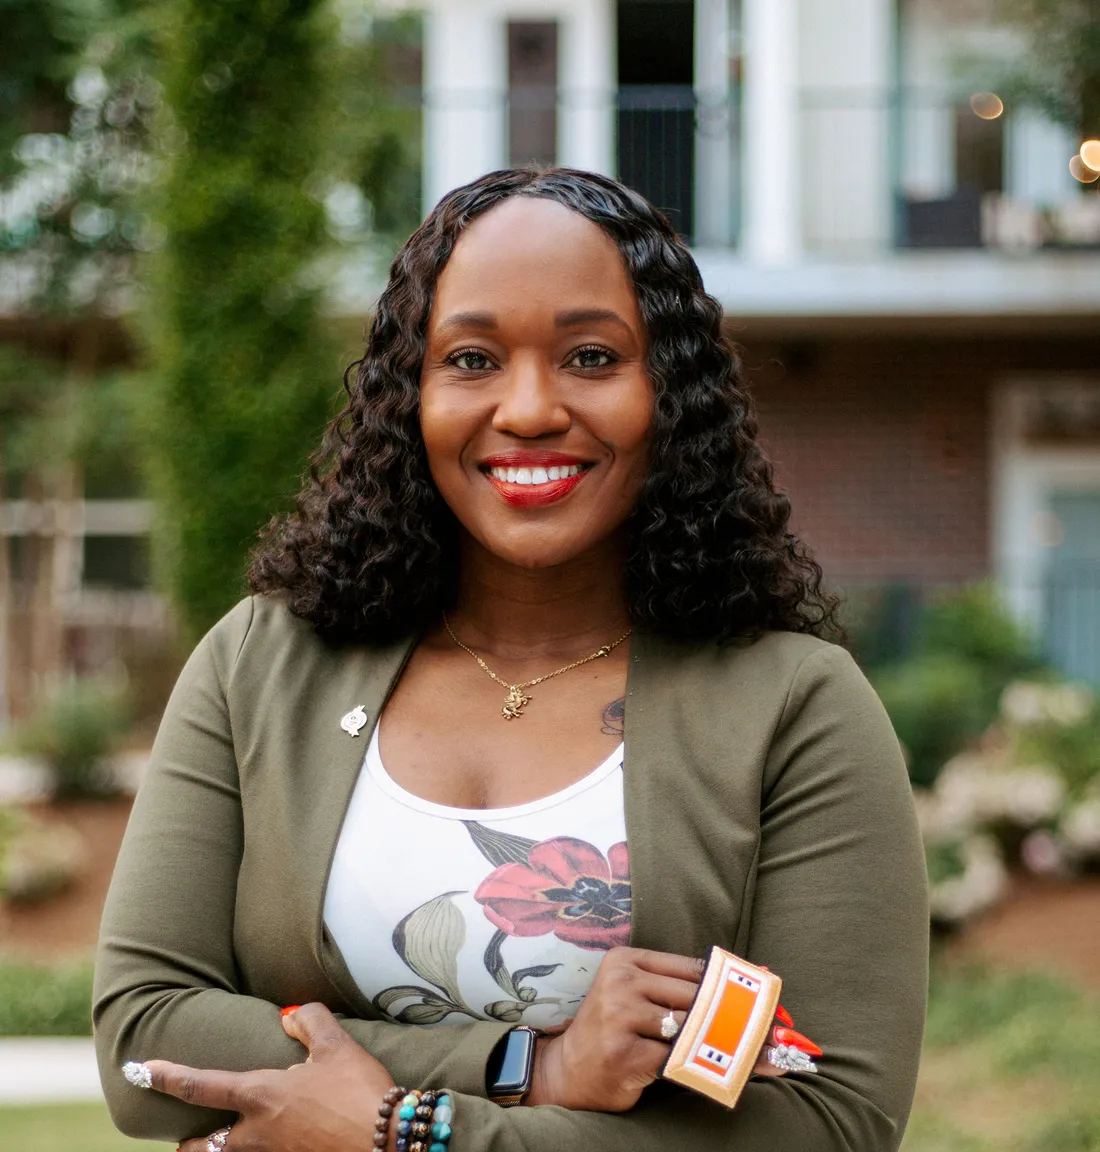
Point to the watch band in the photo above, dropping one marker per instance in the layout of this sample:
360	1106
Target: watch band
511	1068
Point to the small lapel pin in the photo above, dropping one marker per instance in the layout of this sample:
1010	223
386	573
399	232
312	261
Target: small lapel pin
354	720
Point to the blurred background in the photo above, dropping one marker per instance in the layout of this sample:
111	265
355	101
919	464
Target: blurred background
897	203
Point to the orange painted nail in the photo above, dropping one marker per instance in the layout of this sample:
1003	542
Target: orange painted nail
290	1008
783	1016
795	1039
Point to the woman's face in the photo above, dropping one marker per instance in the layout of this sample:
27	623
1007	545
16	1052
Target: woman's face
535	403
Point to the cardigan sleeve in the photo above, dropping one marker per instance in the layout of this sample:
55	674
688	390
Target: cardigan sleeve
166	983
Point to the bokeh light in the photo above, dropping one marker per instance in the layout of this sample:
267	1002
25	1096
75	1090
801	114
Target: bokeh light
987	105
1079	170
1090	154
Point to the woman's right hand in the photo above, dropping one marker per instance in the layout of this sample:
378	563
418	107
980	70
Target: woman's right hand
613	1049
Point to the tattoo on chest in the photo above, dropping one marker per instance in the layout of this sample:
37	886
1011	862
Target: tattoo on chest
613	716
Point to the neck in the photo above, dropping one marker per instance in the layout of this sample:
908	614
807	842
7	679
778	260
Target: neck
511	611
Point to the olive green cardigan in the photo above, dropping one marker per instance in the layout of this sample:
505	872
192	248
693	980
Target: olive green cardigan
767	810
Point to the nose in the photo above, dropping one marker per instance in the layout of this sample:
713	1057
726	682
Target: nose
531	403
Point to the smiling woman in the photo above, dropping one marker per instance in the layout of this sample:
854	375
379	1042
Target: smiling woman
546	481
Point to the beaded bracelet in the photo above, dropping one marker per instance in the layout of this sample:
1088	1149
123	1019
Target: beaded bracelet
423	1120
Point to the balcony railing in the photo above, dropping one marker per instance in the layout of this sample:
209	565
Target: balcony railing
880	168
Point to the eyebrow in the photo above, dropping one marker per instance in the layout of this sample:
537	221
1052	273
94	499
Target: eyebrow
487	322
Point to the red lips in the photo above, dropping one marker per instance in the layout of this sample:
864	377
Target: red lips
534	495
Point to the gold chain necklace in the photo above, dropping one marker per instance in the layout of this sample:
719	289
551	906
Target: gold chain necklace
516	700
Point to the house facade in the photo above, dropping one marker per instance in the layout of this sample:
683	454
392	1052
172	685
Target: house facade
907	261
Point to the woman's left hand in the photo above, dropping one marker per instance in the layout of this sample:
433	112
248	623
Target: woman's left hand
328	1104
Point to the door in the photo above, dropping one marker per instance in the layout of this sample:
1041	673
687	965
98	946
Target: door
1071	589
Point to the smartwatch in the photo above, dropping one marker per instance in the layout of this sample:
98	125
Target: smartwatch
511	1065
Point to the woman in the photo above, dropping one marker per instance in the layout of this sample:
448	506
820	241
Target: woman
542	538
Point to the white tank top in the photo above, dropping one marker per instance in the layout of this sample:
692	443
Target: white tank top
444	915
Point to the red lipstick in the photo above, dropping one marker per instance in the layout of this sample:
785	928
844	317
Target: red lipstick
534	495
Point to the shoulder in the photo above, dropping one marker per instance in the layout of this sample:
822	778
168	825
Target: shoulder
261	640
770	665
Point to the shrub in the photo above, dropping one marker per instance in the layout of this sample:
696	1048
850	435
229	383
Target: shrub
41	1000
936	704
73	731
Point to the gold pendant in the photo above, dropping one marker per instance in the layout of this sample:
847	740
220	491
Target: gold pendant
515	704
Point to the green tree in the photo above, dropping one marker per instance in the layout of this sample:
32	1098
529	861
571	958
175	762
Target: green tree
244	369
1061	74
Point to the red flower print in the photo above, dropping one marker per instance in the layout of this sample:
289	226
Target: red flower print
567	887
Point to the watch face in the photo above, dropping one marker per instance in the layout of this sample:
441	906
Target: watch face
510	1071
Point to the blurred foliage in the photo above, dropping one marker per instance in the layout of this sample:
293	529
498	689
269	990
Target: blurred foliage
937	704
45	1000
50	416
1072	749
73	730
79	104
964	648
995	1077
1059	72
38	859
244	369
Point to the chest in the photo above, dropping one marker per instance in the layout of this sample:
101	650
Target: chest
444	735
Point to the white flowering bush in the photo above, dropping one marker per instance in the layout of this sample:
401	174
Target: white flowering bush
1026	794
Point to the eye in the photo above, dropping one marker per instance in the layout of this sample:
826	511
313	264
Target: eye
469	360
593	356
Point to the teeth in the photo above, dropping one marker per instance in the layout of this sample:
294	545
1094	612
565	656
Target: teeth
535	475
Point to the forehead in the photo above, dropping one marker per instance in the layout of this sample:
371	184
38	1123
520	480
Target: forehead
529	255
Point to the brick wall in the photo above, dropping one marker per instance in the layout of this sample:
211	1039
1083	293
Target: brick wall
884	445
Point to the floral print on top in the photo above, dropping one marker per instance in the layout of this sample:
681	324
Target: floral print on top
445	914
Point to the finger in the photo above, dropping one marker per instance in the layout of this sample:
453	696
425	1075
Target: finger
314	1026
202	1143
669	964
668	992
207	1087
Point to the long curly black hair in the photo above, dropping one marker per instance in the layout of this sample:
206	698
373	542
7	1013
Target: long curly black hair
370	553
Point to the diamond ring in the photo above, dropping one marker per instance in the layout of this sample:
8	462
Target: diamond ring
669	1026
787	1058
216	1142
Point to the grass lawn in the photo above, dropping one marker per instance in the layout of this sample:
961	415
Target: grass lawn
1010	1065
64	1128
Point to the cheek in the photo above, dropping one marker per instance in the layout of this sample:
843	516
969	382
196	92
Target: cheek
442	429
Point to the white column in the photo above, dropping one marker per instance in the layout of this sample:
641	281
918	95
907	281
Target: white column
772	234
586	83
465	91
713	142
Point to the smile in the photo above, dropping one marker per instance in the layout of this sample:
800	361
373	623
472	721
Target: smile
535	475
537	481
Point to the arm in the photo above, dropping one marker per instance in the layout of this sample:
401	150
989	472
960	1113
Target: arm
167	982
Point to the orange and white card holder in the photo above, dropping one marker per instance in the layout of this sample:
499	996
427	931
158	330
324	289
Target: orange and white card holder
722	1037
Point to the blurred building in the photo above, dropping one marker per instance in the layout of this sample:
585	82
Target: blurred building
910	266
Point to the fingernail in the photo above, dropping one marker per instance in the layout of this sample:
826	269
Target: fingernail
783	1016
795	1039
289	1008
138	1074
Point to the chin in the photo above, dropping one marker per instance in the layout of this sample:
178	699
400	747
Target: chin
533	549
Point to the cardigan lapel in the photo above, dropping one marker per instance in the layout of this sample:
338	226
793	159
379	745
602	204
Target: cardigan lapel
365	679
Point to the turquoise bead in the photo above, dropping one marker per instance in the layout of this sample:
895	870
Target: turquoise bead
442	1114
441	1132
444	1101
407	1112
437	1147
